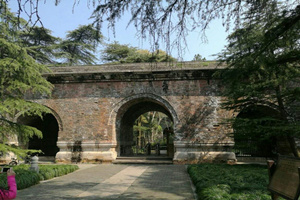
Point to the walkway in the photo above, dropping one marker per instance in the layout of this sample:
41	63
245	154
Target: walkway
115	182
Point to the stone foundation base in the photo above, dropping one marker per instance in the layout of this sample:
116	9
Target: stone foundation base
190	153
185	153
204	157
85	152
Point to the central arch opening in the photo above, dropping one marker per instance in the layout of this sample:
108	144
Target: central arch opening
144	128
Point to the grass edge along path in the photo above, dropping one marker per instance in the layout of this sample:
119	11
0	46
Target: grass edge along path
26	177
230	182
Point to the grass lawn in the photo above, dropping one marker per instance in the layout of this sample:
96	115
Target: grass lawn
234	182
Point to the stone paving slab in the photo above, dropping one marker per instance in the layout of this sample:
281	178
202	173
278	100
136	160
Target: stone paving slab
114	186
116	182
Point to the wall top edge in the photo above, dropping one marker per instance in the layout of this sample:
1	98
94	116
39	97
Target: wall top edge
135	67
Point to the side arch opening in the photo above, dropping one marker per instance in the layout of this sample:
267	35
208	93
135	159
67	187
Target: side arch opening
251	132
49	126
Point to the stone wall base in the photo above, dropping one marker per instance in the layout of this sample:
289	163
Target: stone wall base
190	153
185	153
204	157
85	152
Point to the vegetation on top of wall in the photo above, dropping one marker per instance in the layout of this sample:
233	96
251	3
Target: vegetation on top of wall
122	53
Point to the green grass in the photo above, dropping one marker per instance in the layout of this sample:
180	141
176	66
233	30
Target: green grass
230	182
26	178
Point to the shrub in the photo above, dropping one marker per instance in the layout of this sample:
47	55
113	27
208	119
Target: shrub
26	178
50	171
221	181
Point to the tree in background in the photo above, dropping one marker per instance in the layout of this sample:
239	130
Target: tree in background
263	70
198	57
116	52
19	74
123	53
39	44
148	128
163	20
80	46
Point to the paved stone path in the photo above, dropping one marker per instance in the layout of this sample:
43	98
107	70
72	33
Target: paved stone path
115	182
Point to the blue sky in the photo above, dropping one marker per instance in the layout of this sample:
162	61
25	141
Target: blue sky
64	17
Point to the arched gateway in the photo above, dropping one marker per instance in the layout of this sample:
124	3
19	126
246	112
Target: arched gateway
97	106
128	110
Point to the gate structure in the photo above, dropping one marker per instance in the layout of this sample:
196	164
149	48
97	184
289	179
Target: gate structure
97	106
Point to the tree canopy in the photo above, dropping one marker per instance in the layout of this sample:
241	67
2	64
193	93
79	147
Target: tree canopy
162	20
25	53
39	44
263	70
80	46
19	74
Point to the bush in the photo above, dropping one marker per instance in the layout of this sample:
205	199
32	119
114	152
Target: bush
50	171
234	182
26	178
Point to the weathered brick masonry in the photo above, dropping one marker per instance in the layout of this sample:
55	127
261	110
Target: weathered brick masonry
95	106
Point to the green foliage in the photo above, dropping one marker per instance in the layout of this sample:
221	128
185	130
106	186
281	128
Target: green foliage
122	53
198	57
150	126
50	171
24	50
221	181
26	178
20	75
116	52
79	46
40	44
163	20
263	70
216	192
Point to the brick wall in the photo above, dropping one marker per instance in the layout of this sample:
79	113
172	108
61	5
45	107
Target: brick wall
91	107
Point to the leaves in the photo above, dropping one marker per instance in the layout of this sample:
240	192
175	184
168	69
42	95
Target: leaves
230	181
263	72
20	75
79	46
150	125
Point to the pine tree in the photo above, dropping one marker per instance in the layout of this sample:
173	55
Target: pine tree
163	20
40	44
80	46
20	74
263	71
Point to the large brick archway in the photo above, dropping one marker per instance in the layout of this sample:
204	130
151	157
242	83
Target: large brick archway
130	109
98	104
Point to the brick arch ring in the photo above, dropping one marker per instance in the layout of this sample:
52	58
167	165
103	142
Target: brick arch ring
53	112
158	99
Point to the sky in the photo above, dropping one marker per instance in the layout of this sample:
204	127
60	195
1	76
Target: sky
67	16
